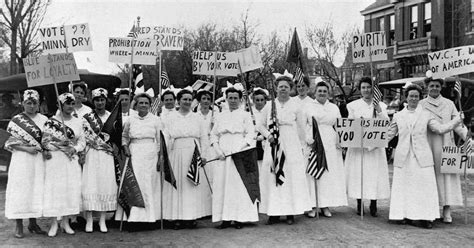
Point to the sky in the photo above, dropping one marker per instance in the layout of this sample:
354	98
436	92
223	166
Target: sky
107	18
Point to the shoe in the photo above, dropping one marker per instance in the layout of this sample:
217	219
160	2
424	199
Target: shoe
273	220
290	219
192	224
224	225
311	213
36	229
237	225
89	228
447	219
53	231
326	213
68	231
178	225
19	233
426	224
103	228
359	206
373	208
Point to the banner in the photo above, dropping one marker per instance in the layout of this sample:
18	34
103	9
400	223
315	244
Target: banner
144	51
375	42
453	61
249	59
454	160
169	38
349	132
49	69
75	37
227	63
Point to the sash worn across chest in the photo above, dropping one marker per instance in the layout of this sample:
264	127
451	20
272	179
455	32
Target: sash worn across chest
94	121
25	131
58	130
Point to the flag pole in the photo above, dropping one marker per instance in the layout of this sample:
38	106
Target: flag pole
207	179
465	187
162	165
119	190
247	97
362	171
214	79
316	195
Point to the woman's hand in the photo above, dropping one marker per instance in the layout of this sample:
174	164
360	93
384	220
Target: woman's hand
47	155
271	139
126	150
204	161
29	149
378	109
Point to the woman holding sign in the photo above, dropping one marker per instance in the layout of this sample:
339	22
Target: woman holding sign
375	177
331	186
444	110
414	192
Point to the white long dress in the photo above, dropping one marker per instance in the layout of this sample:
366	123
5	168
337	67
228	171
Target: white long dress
62	189
230	201
292	197
414	190
376	183
99	188
24	193
184	202
449	185
332	185
142	134
263	175
208	153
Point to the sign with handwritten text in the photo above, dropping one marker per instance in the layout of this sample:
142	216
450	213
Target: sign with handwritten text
362	132
454	161
226	64
74	38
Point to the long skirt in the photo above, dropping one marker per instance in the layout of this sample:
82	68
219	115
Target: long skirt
144	161
62	186
375	168
24	194
414	192
230	200
184	203
99	188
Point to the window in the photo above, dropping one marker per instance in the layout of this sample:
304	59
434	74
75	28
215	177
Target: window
427	20
413	22
391	32
381	23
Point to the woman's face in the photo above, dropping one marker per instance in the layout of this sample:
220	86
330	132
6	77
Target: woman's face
79	94
322	94
434	89
68	107
185	102
413	98
168	101
99	103
283	89
302	89
143	105
233	99
259	101
30	106
366	90
125	101
205	101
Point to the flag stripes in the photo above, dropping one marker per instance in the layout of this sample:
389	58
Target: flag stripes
377	94
277	152
457	87
299	74
165	81
155	106
200	84
196	163
317	158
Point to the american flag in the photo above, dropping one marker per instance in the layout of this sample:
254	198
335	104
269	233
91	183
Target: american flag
317	158
196	163
377	94
467	146
201	84
155	105
164	162
457	87
277	152
295	55
133	32
165	81
299	74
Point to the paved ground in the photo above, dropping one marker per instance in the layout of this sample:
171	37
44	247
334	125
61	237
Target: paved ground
344	229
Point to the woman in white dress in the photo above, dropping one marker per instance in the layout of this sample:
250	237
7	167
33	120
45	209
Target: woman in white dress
24	193
233	131
99	189
62	190
376	184
444	110
79	90
302	88
141	142
183	129
331	186
414	191
292	196
122	95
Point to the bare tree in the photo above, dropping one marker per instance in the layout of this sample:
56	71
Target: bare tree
19	27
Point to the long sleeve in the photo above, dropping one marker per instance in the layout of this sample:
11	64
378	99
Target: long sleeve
262	126
439	128
158	127
461	130
81	142
393	129
214	136
249	131
126	133
300	125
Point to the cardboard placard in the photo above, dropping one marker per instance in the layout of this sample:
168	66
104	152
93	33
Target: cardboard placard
49	69
454	160
250	59
78	38
349	132
227	63
144	51
169	38
375	42
452	61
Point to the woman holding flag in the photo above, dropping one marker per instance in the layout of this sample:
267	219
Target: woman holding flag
375	168
99	189
24	193
331	185
184	130
64	137
287	192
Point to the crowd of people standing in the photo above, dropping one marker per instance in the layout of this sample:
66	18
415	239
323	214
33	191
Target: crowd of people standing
64	166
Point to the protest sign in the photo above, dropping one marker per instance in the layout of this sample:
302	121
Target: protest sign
369	47
454	160
169	38
144	51
49	69
227	63
249	59
375	132
73	37
453	61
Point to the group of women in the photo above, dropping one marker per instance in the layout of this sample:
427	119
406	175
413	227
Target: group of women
48	155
